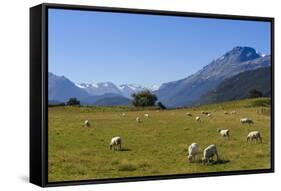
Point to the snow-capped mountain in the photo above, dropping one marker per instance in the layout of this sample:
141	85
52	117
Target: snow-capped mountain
187	91
128	89
179	93
60	89
100	88
125	90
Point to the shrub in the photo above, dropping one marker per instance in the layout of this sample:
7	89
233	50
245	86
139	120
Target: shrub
73	101
255	94
144	98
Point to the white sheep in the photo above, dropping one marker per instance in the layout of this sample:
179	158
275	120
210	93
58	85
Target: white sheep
115	143
224	132
233	112
146	115
198	118
189	114
254	135
193	150
209	115
209	153
87	123
123	114
246	120
138	120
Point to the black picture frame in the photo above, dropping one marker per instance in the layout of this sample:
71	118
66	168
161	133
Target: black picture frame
39	93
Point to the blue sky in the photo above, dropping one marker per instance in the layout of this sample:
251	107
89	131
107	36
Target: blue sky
88	46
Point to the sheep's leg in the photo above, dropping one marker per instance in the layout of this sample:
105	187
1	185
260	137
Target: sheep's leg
217	156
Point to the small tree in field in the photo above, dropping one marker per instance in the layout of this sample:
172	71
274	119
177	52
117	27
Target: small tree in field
255	94
144	98
73	101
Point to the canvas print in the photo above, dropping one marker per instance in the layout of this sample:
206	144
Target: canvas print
136	95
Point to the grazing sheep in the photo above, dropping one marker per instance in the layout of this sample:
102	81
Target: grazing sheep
189	114
233	112
193	150
87	123
209	153
205	112
123	114
115	143
198	118
146	115
254	135
138	120
246	120
224	132
209	115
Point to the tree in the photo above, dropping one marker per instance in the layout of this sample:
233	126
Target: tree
255	94
73	101
144	98
161	106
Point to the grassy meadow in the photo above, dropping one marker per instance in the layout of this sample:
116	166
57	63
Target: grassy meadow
158	145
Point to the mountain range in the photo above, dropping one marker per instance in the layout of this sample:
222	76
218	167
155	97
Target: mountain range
105	93
125	90
188	91
195	89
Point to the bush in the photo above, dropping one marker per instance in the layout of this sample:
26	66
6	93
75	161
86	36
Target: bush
255	94
73	101
144	98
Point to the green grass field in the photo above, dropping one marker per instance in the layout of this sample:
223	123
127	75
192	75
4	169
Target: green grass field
158	145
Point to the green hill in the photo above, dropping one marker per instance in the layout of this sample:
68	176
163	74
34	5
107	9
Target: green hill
239	86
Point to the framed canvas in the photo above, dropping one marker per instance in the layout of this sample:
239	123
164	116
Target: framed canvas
121	95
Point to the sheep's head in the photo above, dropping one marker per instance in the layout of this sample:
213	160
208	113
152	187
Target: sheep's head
189	158
110	146
218	130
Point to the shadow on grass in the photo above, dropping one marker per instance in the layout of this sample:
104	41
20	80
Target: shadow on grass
212	162
125	149
220	162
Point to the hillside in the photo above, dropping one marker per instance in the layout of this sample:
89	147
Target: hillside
239	86
186	92
61	89
106	100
